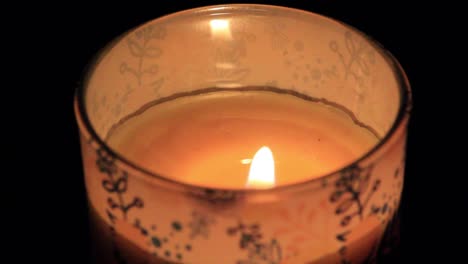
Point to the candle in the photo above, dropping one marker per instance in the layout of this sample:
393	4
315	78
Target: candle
252	138
243	134
256	138
209	139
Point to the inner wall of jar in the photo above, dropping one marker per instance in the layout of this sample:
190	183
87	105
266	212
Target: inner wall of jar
232	48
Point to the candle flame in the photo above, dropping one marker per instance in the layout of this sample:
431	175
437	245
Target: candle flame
262	169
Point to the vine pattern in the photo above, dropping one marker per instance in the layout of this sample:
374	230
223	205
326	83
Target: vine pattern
115	184
142	47
352	195
162	245
355	59
391	238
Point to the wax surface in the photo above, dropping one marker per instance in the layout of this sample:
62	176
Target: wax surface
208	139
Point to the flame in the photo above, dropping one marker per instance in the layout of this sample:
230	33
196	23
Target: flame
262	169
220	28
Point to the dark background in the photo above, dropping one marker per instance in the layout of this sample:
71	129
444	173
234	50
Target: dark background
45	200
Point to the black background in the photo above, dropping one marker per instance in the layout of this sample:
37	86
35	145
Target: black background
44	197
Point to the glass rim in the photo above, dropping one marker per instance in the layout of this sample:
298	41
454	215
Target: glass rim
399	122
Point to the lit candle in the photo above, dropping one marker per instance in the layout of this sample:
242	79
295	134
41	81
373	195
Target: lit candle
294	155
246	140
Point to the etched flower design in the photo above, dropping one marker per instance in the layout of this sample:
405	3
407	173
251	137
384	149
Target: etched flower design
151	32
105	162
143	46
356	59
352	195
350	191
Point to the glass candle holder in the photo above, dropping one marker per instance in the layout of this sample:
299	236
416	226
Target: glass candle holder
243	134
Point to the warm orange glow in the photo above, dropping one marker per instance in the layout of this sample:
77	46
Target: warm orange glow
262	169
